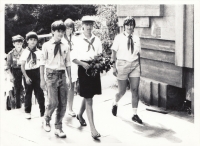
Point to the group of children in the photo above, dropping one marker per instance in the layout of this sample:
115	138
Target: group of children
48	70
51	69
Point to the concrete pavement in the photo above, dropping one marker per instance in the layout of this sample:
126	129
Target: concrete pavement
158	129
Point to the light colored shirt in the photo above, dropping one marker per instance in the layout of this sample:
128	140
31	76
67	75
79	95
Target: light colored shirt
80	51
74	67
120	46
13	58
59	62
30	64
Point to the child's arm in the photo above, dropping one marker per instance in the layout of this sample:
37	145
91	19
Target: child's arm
43	59
8	66
113	59
68	69
42	80
28	80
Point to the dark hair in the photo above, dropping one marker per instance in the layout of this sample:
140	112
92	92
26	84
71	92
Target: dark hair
31	36
58	25
129	20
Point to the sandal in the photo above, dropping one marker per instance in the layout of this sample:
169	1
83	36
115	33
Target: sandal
96	136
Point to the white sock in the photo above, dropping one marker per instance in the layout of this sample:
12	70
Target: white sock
134	111
115	103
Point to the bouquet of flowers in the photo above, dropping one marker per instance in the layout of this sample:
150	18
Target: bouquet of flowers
100	63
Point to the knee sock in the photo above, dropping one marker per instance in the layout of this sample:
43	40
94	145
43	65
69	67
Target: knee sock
115	103
134	111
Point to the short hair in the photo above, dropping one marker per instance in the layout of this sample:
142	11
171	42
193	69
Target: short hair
31	34
69	23
129	20
58	25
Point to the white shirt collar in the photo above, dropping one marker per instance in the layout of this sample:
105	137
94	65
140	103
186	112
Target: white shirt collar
126	34
29	50
84	37
52	40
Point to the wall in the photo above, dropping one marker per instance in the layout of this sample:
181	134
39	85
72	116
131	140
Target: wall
166	33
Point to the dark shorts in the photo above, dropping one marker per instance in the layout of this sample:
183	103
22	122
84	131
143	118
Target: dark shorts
89	85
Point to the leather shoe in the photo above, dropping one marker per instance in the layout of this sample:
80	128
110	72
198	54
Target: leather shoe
82	123
136	118
114	110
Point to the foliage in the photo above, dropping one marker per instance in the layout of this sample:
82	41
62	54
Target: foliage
100	63
106	25
22	18
78	25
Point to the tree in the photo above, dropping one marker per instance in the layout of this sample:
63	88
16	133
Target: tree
22	18
106	25
18	20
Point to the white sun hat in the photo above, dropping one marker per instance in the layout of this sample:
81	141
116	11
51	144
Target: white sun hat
88	18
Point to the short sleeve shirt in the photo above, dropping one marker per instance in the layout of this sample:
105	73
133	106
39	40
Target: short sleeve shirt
81	50
13	59
120	46
29	65
59	62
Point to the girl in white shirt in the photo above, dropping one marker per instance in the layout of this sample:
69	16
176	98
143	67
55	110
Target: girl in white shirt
126	49
87	47
69	38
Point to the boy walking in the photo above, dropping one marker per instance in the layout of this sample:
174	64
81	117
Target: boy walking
30	61
55	59
13	66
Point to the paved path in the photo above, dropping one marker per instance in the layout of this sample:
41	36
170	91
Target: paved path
158	129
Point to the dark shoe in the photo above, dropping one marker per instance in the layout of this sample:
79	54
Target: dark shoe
135	118
82	123
114	110
96	136
41	114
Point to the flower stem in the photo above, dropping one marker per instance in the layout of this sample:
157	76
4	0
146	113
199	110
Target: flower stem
86	72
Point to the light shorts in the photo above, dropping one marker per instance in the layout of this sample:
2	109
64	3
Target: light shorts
127	69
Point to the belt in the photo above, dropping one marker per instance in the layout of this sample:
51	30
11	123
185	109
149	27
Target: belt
55	71
127	61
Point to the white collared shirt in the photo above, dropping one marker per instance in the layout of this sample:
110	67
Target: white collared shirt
31	65
81	52
120	46
57	62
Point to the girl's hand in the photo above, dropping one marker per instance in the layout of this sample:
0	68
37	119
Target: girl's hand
28	80
85	65
115	72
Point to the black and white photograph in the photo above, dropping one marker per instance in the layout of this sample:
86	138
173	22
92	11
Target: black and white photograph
109	72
